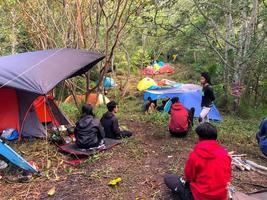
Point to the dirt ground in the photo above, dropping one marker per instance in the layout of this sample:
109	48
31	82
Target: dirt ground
140	161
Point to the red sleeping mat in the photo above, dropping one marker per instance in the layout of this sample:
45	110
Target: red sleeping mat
72	148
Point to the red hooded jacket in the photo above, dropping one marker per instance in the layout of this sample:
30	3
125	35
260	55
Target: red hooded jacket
208	170
179	118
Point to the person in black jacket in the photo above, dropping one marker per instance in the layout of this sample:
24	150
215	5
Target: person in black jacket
207	97
88	131
110	123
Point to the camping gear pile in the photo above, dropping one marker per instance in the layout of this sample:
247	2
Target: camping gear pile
158	67
243	164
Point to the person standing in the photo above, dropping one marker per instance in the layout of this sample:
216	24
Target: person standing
207	97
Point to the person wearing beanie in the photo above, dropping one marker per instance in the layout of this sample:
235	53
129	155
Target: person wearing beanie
88	131
207	171
110	123
207	97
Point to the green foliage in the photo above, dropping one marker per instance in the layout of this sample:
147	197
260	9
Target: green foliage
71	111
140	57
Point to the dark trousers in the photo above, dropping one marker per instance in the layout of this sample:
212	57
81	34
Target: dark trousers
179	135
181	189
125	134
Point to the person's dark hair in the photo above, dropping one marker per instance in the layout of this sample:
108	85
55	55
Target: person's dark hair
111	105
87	109
149	99
174	100
206	76
206	131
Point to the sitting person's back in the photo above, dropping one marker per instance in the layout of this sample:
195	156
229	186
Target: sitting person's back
88	131
207	170
110	123
178	124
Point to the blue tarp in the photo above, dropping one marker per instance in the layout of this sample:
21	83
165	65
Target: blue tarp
7	152
188	98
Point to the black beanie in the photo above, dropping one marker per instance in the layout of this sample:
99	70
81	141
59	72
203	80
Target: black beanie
206	131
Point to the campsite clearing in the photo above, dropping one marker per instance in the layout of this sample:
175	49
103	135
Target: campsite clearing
140	161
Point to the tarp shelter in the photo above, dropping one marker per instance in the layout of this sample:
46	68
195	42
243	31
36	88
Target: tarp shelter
190	96
26	76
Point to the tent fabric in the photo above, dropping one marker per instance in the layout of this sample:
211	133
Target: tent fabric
166	69
42	110
190	96
146	83
57	113
109	83
9	112
40	71
149	71
93	100
19	112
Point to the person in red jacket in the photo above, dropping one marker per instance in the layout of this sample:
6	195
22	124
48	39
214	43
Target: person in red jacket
207	170
181	119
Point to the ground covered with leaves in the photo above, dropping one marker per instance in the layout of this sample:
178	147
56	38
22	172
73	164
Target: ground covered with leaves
140	161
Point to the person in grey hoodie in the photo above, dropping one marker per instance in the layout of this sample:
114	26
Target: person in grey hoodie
88	131
110	123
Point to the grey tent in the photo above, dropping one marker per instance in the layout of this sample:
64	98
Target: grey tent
26	76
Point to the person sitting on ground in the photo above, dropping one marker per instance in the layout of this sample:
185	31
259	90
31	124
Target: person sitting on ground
181	119
161	107
88	131
207	170
150	105
262	136
110	123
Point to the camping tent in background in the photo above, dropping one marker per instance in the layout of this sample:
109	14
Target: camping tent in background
21	111
146	83
109	83
166	69
158	68
190	96
26	76
93	99
149	70
97	99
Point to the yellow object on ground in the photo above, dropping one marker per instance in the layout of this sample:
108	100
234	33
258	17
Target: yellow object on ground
114	181
145	83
